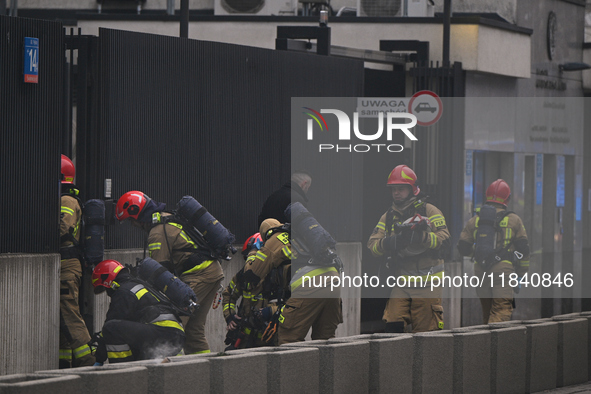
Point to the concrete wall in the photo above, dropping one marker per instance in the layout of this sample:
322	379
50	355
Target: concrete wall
516	356
29	316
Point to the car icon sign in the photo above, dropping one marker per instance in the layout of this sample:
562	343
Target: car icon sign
422	107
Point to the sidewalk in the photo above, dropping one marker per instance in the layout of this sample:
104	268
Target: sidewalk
579	388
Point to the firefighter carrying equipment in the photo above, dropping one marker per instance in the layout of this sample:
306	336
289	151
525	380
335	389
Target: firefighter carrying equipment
177	291
309	239
204	229
487	225
90	247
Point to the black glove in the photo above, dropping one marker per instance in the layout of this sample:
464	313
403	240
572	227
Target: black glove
417	237
250	280
396	242
97	341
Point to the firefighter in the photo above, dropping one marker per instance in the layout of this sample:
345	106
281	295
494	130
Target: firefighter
511	237
247	323
414	252
74	336
170	245
139	325
308	309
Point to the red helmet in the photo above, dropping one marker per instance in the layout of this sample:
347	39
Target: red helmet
68	170
131	204
105	273
254	241
499	192
404	175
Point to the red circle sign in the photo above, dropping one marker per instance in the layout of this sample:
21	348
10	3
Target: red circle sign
426	106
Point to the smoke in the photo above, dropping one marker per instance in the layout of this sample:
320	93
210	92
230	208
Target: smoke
161	351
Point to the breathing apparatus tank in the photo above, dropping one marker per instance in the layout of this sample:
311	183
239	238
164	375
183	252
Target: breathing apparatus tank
94	231
309	238
206	227
177	291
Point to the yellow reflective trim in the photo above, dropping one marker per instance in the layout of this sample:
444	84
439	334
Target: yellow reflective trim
124	354
155	246
65	354
202	352
140	293
375	249
286	252
406	176
311	274
199	267
81	351
117	269
261	255
251	258
67	210
169	323
381	226
435	217
247	330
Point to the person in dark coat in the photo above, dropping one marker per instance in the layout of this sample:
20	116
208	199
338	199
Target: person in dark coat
293	191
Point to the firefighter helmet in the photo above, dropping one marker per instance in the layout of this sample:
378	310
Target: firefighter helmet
404	175
254	241
105	273
267	225
131	204
68	170
498	192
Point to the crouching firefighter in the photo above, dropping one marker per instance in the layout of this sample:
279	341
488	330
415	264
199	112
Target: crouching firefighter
170	243
139	325
254	322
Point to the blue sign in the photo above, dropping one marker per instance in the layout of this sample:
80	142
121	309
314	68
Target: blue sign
560	181
31	69
469	162
538	193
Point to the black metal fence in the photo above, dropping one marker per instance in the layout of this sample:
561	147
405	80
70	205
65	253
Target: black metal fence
31	124
206	119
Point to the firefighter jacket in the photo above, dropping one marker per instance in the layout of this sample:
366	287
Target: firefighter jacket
132	301
511	236
70	218
275	252
436	241
234	291
172	247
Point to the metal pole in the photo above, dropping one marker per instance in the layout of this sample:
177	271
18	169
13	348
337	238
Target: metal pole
446	31
170	7
13	8
184	18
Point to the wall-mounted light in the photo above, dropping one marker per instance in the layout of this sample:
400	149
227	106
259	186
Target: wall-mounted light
573	66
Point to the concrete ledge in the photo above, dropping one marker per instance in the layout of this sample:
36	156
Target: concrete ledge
587	315
541	353
242	373
40	383
471	361
178	377
344	364
290	369
390	363
103	380
573	342
508	359
433	362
